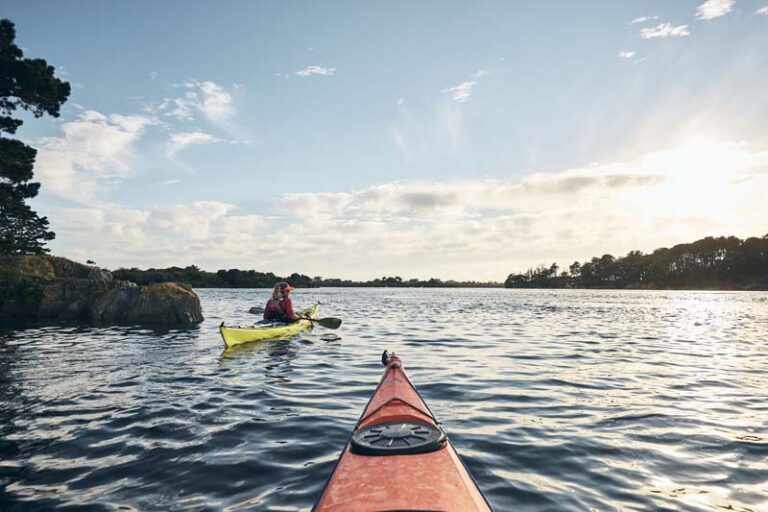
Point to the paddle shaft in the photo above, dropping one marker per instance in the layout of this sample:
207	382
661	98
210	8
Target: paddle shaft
329	322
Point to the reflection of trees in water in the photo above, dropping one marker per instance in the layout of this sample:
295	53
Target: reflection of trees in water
10	392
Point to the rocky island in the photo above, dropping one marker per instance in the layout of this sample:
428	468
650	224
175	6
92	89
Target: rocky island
51	289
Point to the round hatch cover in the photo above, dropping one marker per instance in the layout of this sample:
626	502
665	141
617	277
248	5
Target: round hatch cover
398	438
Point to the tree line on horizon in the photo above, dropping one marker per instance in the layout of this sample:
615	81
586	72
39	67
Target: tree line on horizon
235	278
708	263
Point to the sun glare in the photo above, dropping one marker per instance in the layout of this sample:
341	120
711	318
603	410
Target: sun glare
698	176
700	163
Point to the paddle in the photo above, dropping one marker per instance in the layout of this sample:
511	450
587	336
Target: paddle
328	323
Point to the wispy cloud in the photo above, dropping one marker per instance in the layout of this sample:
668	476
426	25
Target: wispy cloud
397	136
179	141
627	54
461	92
643	19
762	10
316	70
94	151
712	9
64	73
181	109
214	102
664	30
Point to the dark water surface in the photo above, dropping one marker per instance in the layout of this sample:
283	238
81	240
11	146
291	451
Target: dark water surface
557	400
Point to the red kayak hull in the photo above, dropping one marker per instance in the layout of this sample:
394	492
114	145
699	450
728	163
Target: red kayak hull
437	480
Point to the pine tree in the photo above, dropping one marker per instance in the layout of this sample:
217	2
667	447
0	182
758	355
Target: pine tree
27	84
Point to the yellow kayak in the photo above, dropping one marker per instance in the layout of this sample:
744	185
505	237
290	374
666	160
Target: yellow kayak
236	335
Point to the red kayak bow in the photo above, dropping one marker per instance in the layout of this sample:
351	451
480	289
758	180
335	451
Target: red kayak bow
399	457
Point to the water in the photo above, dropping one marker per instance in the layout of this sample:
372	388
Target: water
557	400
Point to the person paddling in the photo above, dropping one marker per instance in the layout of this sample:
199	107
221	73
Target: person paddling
280	307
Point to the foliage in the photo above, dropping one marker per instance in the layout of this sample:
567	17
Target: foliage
19	293
398	282
27	84
234	278
709	263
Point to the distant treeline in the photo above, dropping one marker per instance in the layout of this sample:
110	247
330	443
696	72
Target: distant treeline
399	282
710	263
234	278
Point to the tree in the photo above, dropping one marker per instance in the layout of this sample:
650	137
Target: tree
575	269
27	84
553	270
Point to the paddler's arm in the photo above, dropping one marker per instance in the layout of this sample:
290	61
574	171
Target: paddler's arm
288	309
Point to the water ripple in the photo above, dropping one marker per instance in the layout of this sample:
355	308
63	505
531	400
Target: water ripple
557	400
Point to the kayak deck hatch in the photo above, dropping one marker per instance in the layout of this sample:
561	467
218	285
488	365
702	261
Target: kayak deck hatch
399	458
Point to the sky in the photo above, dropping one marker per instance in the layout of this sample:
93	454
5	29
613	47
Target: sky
455	140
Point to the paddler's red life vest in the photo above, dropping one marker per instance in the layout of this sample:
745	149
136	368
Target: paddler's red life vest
280	310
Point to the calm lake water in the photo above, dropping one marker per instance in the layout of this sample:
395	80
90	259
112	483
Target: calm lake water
557	400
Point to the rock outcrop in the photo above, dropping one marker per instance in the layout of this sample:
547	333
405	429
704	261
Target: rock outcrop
166	303
53	289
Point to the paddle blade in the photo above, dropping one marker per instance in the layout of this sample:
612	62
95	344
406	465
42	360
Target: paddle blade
328	323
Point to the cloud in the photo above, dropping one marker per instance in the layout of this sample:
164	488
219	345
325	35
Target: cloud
113	229
762	10
643	19
475	225
627	54
192	221
461	92
712	9
451	111
399	139
664	30
193	233
316	70
179	141
94	151
316	207
480	228
181	109
217	102
214	102
451	114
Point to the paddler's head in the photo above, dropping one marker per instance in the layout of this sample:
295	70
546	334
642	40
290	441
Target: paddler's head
281	290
